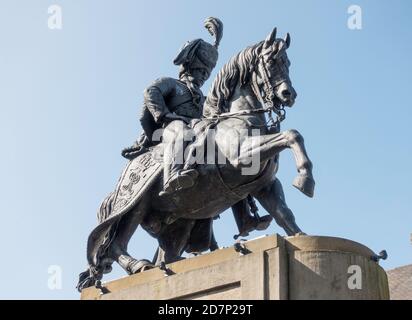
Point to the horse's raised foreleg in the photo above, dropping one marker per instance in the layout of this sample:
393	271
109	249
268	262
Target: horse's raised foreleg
268	146
304	181
272	198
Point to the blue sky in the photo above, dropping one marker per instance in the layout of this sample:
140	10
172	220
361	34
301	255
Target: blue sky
70	100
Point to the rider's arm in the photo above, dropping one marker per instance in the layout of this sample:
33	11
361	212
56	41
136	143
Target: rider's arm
154	97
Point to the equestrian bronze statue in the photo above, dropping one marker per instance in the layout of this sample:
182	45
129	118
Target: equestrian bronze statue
177	201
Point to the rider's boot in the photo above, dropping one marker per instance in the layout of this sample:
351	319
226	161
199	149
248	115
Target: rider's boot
177	173
181	179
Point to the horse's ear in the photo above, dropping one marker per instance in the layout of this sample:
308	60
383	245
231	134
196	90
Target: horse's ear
270	39
287	40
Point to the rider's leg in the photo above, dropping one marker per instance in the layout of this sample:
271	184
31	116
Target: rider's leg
272	199
175	138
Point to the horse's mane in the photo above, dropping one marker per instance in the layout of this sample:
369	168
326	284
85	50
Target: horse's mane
234	72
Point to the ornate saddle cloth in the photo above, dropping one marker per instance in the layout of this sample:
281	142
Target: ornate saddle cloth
138	176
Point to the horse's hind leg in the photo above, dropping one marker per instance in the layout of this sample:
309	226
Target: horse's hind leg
173	240
272	198
124	231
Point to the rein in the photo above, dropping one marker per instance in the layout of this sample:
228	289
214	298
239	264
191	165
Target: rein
239	113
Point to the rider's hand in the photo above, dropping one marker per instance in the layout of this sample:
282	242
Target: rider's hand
185	119
170	116
173	116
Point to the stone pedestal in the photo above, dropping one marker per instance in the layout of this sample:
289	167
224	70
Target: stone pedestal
302	267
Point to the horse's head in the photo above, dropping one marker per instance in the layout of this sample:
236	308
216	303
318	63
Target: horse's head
273	71
266	64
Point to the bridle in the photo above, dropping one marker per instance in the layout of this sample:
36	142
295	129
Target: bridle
269	95
266	101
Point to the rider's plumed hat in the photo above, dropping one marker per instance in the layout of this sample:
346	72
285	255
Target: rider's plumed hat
199	53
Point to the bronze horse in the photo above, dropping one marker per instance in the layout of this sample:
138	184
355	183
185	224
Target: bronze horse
252	83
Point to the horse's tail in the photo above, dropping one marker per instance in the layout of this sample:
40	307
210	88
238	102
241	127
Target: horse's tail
106	207
89	277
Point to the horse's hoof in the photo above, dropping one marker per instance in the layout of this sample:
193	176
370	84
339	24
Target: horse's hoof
107	269
137	266
301	233
264	222
305	184
107	265
85	280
